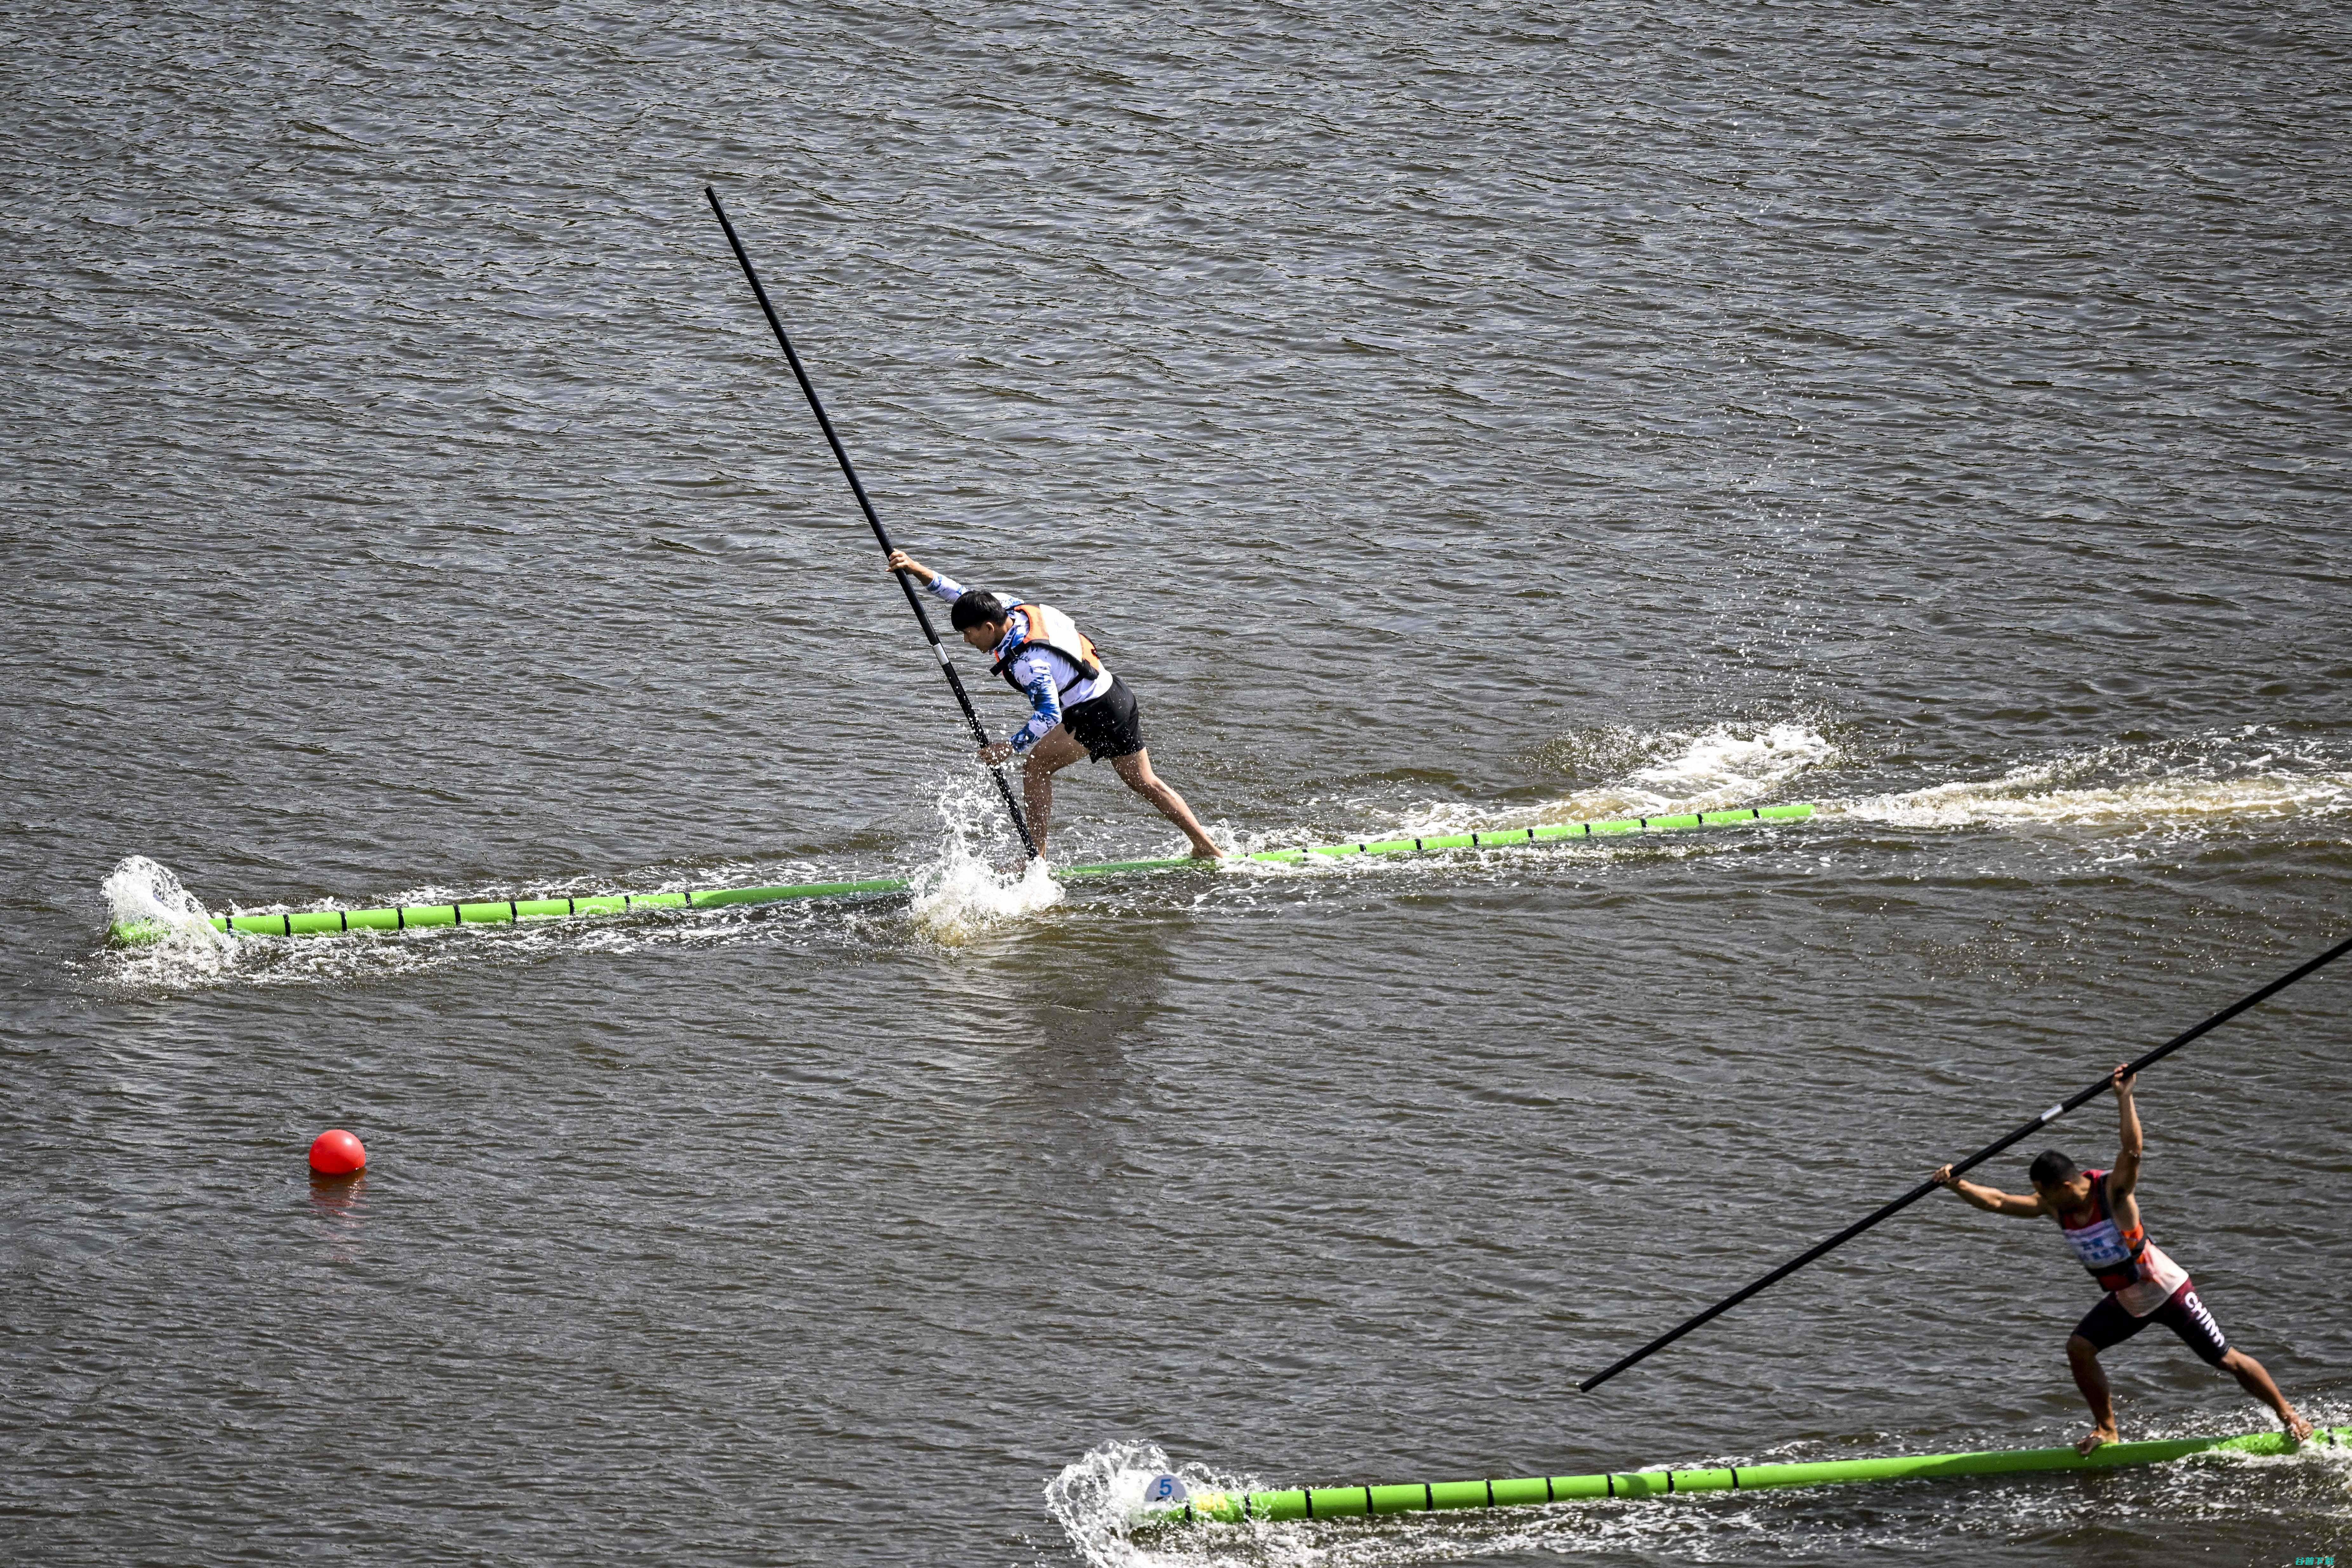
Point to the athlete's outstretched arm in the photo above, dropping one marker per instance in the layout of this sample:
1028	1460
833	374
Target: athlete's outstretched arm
1992	1199
2125	1175
902	561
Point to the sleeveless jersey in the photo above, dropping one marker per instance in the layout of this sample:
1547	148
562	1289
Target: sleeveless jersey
2123	1261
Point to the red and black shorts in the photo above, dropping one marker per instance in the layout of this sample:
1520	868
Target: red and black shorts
2108	1324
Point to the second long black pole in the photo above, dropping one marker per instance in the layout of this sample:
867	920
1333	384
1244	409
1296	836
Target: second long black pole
881	534
1962	1166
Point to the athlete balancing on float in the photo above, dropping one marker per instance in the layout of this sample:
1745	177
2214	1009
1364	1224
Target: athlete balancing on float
2098	1215
1077	709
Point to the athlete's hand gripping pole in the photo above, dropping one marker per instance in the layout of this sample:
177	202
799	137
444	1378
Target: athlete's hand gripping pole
881	535
2121	1074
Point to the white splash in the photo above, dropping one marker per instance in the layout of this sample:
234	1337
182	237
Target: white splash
2025	794
1660	773
142	892
964	897
1095	1501
962	894
1729	764
177	942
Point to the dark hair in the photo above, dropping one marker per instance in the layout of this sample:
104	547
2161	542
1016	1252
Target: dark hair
976	610
2049	1168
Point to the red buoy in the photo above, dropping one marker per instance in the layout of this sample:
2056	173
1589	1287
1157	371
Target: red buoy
336	1152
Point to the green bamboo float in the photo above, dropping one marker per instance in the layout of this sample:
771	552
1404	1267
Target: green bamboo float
507	911
1174	1507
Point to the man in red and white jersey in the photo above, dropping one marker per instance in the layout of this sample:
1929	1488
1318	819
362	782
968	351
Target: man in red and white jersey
2099	1214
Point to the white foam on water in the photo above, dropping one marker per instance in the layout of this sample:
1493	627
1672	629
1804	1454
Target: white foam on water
962	897
1730	765
1676	771
1095	1501
1659	773
963	894
145	892
143	889
2027	795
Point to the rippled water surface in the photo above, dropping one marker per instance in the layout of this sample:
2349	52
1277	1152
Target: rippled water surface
1445	417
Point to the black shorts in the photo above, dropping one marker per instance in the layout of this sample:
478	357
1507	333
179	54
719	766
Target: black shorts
1107	726
2109	1324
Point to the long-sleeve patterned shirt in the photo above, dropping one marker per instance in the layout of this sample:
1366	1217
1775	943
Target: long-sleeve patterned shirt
1049	680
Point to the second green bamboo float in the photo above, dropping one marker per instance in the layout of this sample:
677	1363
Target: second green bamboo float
1175	1504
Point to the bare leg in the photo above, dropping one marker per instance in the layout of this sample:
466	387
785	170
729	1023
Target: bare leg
1135	768
1047	757
2092	1379
2257	1382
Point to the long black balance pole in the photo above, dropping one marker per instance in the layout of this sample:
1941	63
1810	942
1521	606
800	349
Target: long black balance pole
881	534
1978	1158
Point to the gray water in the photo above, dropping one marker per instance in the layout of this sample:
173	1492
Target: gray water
1453	416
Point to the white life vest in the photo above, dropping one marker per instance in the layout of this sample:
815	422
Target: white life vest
1042	625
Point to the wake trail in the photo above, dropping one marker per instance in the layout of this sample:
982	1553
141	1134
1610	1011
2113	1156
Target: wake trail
2025	796
2210	780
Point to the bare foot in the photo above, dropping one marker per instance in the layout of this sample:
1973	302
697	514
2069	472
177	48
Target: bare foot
1211	853
2095	1438
2298	1430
